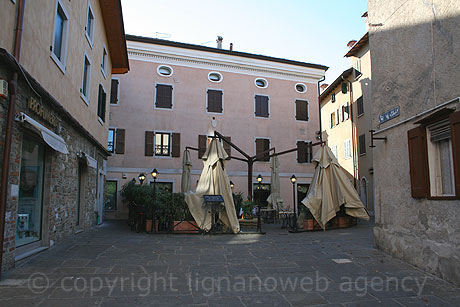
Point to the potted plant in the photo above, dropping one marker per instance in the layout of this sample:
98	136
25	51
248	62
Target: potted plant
248	208
183	220
238	201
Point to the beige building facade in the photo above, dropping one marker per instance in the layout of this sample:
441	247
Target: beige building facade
56	63
176	95
415	47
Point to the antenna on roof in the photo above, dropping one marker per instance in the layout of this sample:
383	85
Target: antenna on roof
165	35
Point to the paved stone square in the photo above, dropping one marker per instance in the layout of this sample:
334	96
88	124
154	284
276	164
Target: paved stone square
113	266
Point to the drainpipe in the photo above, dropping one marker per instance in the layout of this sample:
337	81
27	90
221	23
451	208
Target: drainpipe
319	110
353	134
13	86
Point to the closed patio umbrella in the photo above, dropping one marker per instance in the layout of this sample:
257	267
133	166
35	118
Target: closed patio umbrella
186	183
274	199
213	181
331	189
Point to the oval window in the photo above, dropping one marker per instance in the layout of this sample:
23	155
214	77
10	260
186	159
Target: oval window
301	88
215	77
262	83
165	71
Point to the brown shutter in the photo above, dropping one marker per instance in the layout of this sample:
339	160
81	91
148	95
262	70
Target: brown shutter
215	101
301	110
202	142
227	147
258	103
418	162
265	106
301	152
120	147
114	92
266	147
164	96
455	125
149	137
175	145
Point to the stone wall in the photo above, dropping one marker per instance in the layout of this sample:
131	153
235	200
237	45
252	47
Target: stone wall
61	175
415	48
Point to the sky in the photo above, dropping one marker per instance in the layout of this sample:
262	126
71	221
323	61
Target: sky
312	31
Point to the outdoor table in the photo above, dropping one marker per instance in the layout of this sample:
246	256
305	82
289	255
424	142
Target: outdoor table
286	219
268	215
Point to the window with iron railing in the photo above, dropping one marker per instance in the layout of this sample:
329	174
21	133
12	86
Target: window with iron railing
162	141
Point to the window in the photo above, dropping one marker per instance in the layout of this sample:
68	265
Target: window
86	79
261	146
90	25
214	101
261	106
116	142
59	48
347	149
434	156
215	77
110	199
104	61
114	91
304	152
333	97
162	144
261	83
357	64
362	144
165	71
166	187
101	103
360	103
163	98
301	110
301	88
333	122
345	112
334	150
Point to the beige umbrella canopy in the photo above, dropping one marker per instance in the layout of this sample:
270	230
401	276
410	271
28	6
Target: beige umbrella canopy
186	183
274	199
330	189
213	181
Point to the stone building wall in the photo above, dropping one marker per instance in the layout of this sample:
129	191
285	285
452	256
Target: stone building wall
60	177
415	48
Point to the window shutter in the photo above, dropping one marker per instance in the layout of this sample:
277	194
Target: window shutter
455	124
301	110
362	144
149	137
258	105
202	140
259	146
120	147
114	91
215	101
418	162
227	147
360	105
164	96
266	147
309	152
265	106
175	145
301	152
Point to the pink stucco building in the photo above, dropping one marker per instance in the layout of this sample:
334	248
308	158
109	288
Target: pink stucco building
175	94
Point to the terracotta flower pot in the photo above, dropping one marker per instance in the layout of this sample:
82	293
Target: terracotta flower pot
148	225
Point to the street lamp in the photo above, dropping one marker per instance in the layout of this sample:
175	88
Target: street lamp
293	180
259	226
141	178
154	174
231	184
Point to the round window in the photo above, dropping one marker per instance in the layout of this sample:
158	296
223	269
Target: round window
301	88
215	77
165	71
262	83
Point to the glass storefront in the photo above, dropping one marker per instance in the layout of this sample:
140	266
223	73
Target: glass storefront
30	207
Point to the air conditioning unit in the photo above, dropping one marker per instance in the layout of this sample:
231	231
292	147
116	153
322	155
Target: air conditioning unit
3	88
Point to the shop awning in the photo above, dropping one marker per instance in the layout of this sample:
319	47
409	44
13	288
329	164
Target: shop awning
52	139
90	161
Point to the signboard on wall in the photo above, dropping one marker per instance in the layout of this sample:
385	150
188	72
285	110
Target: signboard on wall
388	115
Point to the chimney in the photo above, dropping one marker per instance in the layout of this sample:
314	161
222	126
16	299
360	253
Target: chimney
351	43
323	87
231	46
219	42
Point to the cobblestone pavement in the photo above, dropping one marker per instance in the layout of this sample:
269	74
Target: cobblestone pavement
112	266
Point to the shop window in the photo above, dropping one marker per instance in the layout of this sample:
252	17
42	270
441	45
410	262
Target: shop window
110	196
261	106
61	29
261	193
163	98
262	145
214	101
301	110
30	200
434	156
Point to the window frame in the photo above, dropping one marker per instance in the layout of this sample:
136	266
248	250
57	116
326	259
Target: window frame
101	120
118	92
114	140
336	149
168	67
215	72
342	111
364	146
169	133
222	101
156	93
297	152
61	63
86	97
263	80
90	36
117	194
360	101
268	106
105	58
308	110
347	144
301	84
